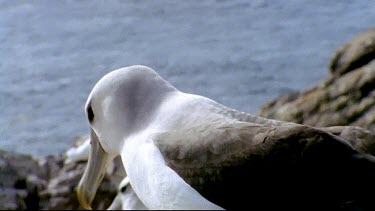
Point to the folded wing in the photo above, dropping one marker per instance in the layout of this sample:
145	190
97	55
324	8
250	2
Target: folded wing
247	165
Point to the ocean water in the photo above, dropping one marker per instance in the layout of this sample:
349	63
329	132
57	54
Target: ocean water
239	53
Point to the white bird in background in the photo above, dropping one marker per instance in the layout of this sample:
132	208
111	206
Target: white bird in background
80	152
184	151
126	198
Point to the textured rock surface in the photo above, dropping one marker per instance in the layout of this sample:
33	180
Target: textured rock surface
60	192
354	54
361	139
20	181
27	183
347	97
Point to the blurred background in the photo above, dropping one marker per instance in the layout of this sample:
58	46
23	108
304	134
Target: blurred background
239	53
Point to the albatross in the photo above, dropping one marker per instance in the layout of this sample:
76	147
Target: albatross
185	151
126	198
79	152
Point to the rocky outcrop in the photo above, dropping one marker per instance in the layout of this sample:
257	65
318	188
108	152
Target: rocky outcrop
20	181
361	139
354	54
60	192
48	183
347	97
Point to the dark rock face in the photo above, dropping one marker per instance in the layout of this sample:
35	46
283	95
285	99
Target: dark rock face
20	181
60	192
12	199
360	139
347	97
26	183
354	54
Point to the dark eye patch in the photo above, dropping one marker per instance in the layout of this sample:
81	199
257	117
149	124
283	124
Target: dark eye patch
90	113
123	189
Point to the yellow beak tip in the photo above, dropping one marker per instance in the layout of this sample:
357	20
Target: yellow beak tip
83	202
86	207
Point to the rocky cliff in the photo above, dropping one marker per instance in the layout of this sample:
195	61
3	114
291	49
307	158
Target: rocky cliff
48	183
346	97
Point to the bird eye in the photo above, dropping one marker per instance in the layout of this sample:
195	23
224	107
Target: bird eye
90	113
123	189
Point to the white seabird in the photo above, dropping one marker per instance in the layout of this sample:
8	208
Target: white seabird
184	151
126	198
79	152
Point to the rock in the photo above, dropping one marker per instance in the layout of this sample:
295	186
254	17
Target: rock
354	54
346	98
61	190
12	199
63	178
48	183
20	181
51	165
361	139
16	167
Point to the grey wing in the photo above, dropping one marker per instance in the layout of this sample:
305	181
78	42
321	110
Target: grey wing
245	165
361	139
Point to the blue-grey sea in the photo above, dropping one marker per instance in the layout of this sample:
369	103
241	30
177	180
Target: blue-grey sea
239	53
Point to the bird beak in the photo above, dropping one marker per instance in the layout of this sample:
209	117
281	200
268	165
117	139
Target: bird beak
94	172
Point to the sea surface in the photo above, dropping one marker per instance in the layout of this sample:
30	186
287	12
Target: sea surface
239	53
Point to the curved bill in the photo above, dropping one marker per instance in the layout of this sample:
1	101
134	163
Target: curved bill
94	172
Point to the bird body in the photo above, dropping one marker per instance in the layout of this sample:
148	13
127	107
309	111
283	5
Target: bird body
185	151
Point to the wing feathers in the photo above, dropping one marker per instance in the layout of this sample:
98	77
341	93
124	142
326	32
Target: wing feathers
219	160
